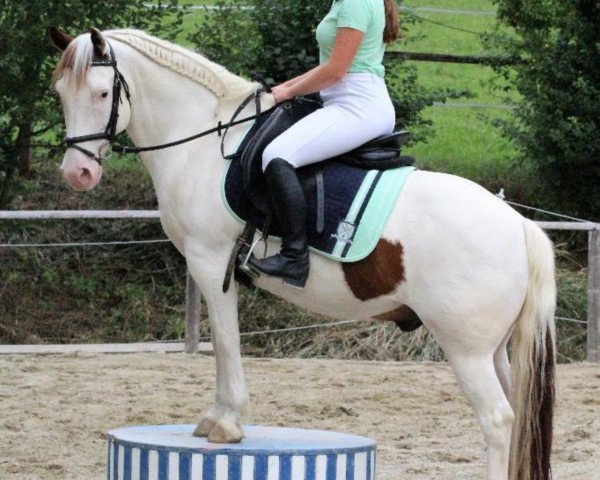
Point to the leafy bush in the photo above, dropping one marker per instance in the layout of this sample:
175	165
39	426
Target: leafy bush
274	38
27	59
559	80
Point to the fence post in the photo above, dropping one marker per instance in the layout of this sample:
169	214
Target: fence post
192	315
593	317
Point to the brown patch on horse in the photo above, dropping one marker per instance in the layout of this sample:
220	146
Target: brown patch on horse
77	62
533	461
405	317
545	395
378	274
60	40
99	44
67	61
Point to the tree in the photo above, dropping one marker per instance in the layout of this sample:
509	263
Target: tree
27	107
558	77
275	40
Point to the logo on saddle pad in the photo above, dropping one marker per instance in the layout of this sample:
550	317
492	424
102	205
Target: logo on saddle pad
345	232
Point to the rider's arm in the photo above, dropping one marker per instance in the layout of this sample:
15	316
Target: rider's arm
295	80
347	43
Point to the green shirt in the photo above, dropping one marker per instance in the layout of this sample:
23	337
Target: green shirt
368	16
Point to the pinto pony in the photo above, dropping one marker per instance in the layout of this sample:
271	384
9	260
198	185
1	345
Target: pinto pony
475	272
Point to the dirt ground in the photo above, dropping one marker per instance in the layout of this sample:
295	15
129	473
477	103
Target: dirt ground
55	410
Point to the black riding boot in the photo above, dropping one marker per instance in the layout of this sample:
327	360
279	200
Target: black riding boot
292	262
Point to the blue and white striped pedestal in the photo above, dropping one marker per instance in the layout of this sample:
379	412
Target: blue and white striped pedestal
170	452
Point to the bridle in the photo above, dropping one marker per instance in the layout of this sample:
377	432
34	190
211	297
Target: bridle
109	133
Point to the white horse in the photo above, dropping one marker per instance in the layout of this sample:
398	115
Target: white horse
473	270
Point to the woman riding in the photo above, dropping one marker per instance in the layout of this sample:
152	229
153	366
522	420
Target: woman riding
356	108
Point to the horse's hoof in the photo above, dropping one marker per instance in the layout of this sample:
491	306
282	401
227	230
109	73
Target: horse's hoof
225	432
204	428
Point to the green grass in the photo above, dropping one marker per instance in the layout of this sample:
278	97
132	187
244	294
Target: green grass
483	147
466	142
425	36
475	78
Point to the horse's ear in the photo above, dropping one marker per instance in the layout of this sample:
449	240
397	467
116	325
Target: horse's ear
98	42
61	40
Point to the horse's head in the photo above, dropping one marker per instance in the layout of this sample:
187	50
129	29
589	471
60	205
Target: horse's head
94	97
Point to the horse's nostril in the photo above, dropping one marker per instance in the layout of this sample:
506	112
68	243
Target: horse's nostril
85	174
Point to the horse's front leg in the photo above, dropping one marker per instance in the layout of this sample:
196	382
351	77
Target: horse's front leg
222	423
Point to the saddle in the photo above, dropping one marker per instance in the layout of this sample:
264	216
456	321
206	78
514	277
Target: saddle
254	205
381	153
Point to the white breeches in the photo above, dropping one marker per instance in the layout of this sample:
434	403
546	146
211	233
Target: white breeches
356	109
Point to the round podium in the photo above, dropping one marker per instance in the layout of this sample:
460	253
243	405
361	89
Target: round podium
170	452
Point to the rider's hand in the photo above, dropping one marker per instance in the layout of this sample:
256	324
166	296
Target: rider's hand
282	94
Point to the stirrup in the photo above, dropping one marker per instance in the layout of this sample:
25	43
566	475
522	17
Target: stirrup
243	257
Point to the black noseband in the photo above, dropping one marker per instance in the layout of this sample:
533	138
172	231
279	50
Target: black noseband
111	127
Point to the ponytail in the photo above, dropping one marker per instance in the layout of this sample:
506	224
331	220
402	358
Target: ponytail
392	24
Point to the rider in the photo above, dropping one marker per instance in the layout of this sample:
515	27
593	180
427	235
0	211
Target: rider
357	108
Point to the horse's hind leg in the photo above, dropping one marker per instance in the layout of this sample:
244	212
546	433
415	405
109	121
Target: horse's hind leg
502	365
478	379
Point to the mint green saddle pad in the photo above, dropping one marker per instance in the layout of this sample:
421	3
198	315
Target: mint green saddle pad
357	207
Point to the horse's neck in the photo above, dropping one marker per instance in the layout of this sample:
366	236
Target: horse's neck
167	107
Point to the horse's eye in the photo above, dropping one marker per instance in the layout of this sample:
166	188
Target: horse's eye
104	94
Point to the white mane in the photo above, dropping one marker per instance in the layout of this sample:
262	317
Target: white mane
194	66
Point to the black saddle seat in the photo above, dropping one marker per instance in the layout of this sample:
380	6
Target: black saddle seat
382	153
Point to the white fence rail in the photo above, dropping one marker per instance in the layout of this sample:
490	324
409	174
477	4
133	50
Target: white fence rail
193	296
77	214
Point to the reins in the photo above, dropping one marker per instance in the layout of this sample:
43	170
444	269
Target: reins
222	128
110	130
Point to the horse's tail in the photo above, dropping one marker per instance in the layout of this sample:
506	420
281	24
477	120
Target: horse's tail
533	364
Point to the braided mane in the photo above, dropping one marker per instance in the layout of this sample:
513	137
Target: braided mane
194	66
